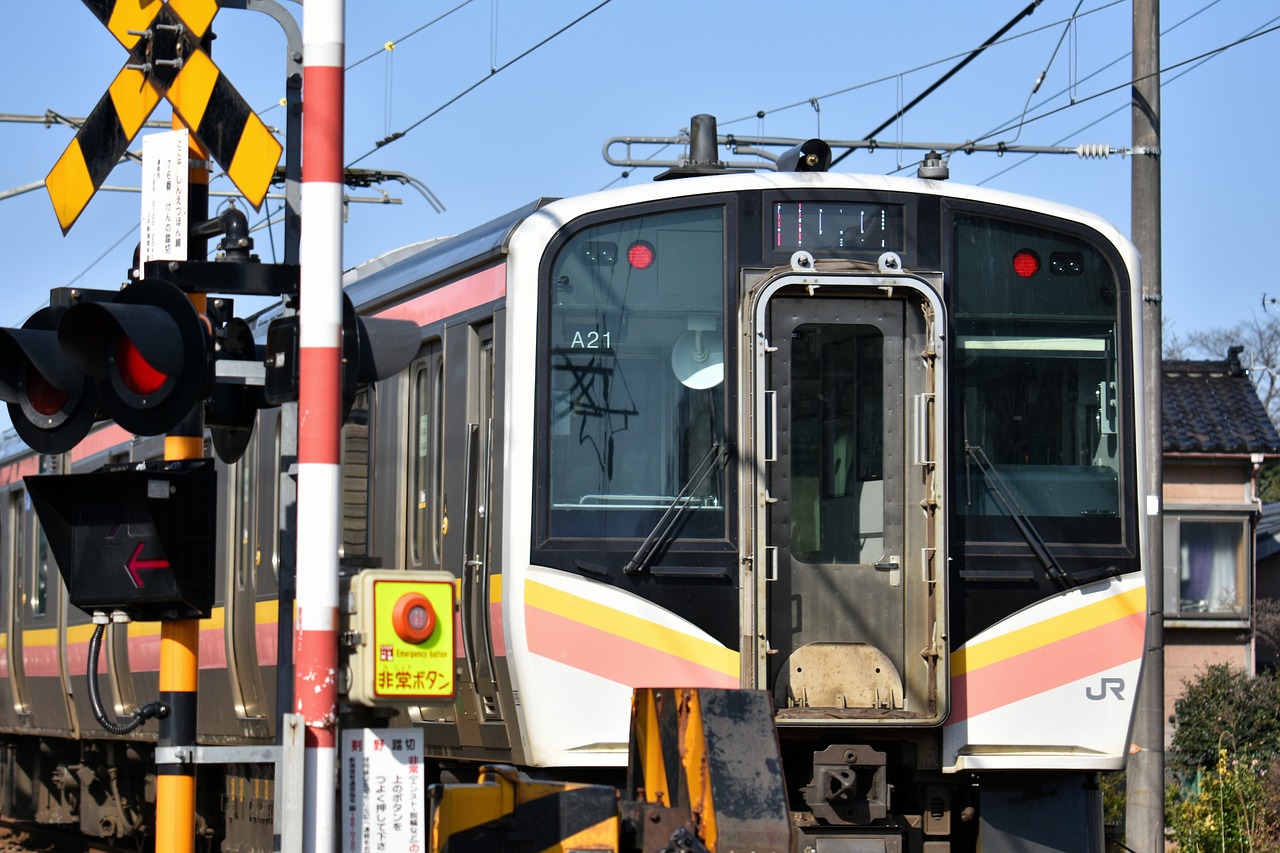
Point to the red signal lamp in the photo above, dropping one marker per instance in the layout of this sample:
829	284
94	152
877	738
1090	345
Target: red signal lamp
1026	263
148	351
52	404
641	255
136	372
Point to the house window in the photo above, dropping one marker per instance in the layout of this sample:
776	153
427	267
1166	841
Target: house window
1207	563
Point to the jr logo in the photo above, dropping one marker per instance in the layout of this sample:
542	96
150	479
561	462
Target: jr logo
1107	685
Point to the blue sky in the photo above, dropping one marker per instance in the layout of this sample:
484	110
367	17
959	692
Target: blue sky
643	67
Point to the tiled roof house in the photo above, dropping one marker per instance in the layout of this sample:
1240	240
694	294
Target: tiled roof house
1217	436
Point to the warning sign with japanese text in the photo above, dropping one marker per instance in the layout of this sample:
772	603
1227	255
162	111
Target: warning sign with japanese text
384	802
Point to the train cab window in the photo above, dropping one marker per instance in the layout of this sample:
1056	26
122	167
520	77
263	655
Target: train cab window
356	459
636	410
425	431
1037	383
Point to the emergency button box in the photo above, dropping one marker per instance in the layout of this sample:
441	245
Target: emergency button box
400	637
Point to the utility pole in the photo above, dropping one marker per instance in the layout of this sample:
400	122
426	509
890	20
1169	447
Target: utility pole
1144	822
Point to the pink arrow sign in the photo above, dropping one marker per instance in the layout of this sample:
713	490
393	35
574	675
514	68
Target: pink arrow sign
136	565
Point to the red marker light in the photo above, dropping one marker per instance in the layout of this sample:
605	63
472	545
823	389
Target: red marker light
42	396
1026	263
135	372
641	254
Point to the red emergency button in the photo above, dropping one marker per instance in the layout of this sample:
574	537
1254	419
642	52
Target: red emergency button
413	618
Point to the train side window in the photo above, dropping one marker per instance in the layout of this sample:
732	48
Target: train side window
40	585
17	538
356	460
425	463
273	528
245	512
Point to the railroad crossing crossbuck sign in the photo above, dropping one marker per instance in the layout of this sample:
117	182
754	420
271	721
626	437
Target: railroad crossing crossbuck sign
165	61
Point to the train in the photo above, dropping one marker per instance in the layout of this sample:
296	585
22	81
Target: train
868	446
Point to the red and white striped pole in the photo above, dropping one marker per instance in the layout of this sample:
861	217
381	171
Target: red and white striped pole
316	632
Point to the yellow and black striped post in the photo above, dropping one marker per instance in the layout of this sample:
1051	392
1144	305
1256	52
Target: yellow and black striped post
180	638
179	680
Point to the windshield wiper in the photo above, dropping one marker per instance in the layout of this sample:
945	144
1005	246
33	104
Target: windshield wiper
1004	495
661	533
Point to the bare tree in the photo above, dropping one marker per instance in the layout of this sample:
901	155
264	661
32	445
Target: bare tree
1260	337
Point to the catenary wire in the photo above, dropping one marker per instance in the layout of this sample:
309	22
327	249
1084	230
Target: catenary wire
806	102
1100	119
493	73
410	34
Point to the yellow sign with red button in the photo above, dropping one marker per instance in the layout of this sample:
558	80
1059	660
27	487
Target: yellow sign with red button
404	637
413	639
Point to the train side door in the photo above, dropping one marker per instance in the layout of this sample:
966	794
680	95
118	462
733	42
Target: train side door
13	594
37	636
243	584
852	611
470	473
478	567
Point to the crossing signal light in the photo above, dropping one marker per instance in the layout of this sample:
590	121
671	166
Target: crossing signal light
148	350
52	404
373	349
232	408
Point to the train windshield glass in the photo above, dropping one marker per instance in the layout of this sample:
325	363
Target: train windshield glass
1035	323
637	377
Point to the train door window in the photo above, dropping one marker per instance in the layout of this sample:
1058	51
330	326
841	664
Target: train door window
274	521
837	443
425	462
40	583
18	531
1037	383
244	511
16	594
636	408
356	458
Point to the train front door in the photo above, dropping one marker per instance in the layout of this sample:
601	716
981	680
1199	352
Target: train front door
850	427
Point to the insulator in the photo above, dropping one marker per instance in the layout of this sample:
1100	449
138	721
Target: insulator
1087	150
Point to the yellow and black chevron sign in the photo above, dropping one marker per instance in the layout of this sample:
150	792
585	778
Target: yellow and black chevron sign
166	61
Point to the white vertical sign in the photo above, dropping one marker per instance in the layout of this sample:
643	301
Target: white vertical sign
164	197
384	794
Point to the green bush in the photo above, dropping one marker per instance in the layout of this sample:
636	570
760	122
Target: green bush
1225	759
1225	810
1225	709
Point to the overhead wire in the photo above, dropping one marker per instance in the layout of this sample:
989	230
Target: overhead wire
1195	59
760	114
951	72
1021	120
382	143
409	34
1198	61
1071	22
1077	81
